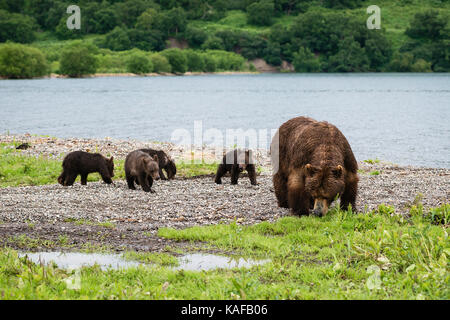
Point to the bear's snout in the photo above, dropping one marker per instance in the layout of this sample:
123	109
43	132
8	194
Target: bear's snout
320	207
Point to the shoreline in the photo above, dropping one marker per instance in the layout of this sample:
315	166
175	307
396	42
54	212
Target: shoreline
53	210
144	75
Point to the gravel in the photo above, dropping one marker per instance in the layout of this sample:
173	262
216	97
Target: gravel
180	203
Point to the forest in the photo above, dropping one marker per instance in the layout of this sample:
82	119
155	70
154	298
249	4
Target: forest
162	36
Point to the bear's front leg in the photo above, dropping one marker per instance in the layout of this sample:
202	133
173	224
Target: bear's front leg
144	183
84	179
235	174
351	190
71	179
221	170
298	199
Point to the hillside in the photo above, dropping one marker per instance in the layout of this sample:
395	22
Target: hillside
309	36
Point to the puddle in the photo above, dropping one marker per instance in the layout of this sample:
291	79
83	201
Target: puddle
202	261
192	262
75	260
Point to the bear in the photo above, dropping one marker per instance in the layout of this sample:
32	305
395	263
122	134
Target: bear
82	163
313	165
164	162
141	168
236	161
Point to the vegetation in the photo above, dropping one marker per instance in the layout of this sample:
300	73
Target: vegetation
376	255
19	61
414	36
78	60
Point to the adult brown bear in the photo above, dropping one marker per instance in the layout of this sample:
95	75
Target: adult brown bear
313	164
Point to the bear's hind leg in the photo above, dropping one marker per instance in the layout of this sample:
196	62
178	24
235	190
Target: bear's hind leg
252	174
279	185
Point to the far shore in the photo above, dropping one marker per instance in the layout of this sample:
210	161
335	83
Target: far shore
129	74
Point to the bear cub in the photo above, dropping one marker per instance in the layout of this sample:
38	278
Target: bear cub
235	162
82	163
164	162
141	168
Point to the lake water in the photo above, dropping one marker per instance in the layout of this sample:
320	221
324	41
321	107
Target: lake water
403	118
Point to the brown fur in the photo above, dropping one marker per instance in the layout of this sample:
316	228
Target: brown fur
141	168
82	163
164	162
235	162
315	165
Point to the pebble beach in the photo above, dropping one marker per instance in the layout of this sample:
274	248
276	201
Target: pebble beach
183	202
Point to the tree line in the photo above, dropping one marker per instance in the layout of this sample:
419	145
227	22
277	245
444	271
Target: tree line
319	40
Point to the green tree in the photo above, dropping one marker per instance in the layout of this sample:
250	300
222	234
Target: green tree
147	20
160	63
195	36
349	58
428	25
177	59
117	40
77	60
139	63
16	27
213	43
210	63
195	61
19	61
342	4
64	33
306	61
105	20
261	13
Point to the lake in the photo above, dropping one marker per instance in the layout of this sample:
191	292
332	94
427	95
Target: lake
402	118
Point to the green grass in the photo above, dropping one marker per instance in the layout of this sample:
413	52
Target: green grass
376	255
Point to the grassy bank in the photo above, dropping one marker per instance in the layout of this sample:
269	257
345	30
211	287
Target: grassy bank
341	256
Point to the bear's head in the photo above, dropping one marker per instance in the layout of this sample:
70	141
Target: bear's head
324	184
110	165
244	159
171	169
151	166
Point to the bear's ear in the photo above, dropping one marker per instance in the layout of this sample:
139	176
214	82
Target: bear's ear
155	157
338	171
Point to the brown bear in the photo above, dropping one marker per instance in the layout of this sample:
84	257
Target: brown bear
236	161
82	163
313	164
141	168
164	162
